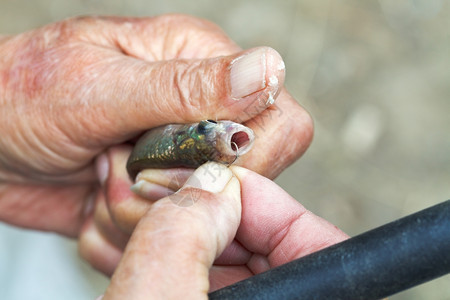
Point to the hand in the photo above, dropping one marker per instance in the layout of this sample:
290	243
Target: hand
71	90
205	242
274	228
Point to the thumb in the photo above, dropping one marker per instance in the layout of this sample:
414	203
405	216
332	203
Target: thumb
176	242
241	85
145	94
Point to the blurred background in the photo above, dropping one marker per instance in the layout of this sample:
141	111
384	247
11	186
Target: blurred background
375	76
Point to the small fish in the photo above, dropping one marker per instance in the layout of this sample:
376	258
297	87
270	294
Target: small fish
190	145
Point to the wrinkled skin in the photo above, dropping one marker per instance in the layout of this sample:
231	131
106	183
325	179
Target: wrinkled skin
72	90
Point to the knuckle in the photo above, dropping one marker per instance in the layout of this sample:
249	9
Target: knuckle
83	28
201	32
303	127
188	22
71	28
297	127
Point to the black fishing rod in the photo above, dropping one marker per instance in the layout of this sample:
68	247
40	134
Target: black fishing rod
372	265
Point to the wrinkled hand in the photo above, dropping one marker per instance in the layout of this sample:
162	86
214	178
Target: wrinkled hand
224	225
274	228
71	90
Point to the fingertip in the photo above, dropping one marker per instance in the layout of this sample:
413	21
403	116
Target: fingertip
233	187
250	180
211	177
171	178
102	168
232	194
239	172
275	74
149	190
118	184
257	74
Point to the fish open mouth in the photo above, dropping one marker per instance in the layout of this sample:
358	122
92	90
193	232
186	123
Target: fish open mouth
239	140
234	139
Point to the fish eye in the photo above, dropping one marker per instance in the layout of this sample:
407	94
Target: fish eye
201	128
204	125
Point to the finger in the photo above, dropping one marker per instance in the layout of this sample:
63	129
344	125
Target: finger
173	247
105	225
283	132
97	250
131	95
154	184
276	225
125	207
60	209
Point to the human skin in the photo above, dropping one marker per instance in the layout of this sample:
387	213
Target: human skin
71	90
234	223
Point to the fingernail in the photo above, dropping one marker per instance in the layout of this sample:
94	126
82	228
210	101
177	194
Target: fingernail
248	74
211	177
150	190
102	167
